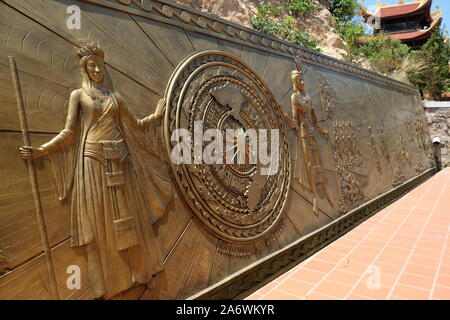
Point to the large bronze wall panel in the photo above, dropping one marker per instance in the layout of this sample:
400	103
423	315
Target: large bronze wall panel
143	46
20	237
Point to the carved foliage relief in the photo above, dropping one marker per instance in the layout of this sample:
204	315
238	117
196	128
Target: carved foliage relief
388	157
327	96
347	156
349	164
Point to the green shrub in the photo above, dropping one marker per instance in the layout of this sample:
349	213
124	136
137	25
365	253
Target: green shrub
384	54
351	33
344	10
269	8
300	7
285	29
262	20
298	36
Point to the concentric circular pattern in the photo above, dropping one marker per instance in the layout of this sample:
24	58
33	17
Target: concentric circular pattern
238	201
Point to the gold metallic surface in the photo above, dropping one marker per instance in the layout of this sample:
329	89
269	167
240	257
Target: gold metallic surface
109	192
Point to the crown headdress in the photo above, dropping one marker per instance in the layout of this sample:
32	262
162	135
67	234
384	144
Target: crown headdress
298	65
92	49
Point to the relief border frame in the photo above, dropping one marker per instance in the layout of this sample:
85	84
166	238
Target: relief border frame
194	20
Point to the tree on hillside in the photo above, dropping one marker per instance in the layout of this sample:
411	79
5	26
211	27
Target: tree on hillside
344	10
345	13
434	56
384	54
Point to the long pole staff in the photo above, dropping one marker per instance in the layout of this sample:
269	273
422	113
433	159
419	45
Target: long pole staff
33	179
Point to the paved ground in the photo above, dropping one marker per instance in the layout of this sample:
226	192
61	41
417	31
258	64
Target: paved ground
403	252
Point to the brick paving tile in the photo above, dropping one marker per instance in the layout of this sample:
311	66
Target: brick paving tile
443	280
318	265
410	292
329	256
385	280
397	298
426	252
255	296
441	292
421	270
333	289
424	261
416	281
373	243
401	253
392	259
295	287
307	275
279	295
367	250
360	258
389	269
318	296
352	266
285	276
358	297
377	292
267	288
339	249
344	277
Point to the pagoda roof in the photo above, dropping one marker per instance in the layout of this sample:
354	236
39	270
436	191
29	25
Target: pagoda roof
436	18
398	10
419	34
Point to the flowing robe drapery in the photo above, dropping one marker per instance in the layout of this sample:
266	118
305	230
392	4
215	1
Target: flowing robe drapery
307	147
145	195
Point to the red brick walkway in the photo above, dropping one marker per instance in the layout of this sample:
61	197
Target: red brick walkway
403	252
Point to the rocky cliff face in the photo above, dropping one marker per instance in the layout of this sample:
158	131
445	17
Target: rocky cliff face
237	11
439	123
319	24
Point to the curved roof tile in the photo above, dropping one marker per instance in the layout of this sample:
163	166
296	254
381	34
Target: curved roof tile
398	10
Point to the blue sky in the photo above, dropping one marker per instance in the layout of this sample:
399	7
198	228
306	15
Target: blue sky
444	4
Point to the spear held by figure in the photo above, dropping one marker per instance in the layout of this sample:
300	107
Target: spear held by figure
33	178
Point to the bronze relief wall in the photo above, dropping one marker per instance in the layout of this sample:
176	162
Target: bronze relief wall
347	136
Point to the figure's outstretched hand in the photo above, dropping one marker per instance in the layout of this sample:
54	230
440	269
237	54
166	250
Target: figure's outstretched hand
28	152
294	124
160	109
